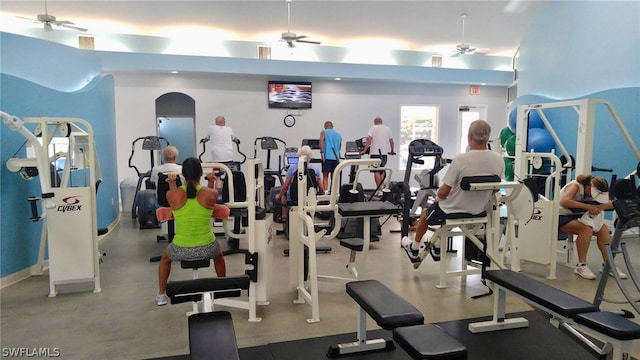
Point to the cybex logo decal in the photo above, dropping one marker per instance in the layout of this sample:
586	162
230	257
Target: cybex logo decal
72	203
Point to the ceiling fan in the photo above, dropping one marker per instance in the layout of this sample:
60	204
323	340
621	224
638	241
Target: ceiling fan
290	37
49	20
464	48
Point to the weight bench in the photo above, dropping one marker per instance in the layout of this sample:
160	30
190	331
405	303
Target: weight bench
392	312
206	290
567	312
212	337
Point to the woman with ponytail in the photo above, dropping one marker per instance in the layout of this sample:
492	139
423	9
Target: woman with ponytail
192	206
582	202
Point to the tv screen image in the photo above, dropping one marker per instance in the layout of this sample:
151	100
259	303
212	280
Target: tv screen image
289	95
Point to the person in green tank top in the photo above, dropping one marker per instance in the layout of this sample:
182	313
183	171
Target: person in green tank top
192	206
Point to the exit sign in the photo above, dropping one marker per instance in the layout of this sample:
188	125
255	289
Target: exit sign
474	90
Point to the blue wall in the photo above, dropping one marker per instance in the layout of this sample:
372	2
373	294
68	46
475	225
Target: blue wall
94	102
586	49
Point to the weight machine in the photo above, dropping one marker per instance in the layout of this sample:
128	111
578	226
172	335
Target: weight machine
73	250
544	224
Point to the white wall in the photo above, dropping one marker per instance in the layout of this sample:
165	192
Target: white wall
352	107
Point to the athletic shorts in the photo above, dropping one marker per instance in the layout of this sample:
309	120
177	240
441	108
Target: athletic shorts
383	160
180	253
329	165
435	214
565	219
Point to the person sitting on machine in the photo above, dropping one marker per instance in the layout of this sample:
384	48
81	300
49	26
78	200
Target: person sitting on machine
285	190
582	205
450	198
192	206
169	165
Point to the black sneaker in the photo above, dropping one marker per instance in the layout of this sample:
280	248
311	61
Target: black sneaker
435	253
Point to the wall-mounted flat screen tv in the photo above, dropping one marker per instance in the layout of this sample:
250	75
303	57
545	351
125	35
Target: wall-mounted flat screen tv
289	95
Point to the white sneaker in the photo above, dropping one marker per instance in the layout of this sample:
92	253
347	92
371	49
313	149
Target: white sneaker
162	299
414	255
584	271
620	273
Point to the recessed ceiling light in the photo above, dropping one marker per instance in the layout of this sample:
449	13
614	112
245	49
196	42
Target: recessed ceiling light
337	79
174	72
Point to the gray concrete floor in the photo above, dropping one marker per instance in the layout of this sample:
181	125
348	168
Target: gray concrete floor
123	322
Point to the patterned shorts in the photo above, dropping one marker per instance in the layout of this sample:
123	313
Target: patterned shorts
179	253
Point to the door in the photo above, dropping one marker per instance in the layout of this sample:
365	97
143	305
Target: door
179	132
466	115
175	121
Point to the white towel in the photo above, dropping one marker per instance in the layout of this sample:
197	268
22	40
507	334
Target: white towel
594	221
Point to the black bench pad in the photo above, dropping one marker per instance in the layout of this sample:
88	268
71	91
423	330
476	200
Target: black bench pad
383	305
177	288
429	341
367	208
551	298
212	336
610	324
356	244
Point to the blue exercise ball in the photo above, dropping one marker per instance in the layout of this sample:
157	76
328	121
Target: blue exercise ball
513	118
534	120
540	140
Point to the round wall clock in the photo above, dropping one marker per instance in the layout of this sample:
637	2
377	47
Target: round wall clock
289	121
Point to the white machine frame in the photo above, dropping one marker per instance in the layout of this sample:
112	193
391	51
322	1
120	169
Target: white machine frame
258	234
302	232
521	210
73	251
533	245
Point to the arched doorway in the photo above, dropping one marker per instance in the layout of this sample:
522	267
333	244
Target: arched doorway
175	121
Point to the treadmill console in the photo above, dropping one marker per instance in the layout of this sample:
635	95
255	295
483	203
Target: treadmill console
424	147
351	150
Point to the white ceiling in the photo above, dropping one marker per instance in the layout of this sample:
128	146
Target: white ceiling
495	27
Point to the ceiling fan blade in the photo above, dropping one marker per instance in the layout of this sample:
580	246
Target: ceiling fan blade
73	27
310	42
26	18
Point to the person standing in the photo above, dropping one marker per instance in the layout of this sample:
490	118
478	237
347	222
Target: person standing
222	139
330	144
380	143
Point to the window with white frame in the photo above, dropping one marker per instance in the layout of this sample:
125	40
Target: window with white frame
416	122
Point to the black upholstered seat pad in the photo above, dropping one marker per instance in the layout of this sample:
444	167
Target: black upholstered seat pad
556	300
367	208
383	305
429	341
610	324
212	336
176	288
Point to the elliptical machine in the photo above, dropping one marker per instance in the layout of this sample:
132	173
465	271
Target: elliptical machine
153	144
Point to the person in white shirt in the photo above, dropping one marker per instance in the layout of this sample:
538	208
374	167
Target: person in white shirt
380	143
479	160
169	165
222	139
